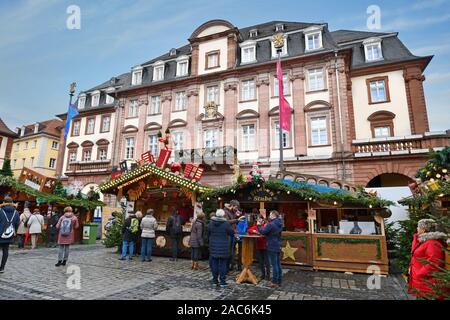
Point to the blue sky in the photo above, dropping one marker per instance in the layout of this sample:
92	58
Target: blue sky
39	56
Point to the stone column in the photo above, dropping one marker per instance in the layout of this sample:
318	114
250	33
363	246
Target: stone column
194	59
230	111
117	156
263	84
191	116
416	100
232	48
140	136
298	98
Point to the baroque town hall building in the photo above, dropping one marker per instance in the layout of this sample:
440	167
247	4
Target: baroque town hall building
357	98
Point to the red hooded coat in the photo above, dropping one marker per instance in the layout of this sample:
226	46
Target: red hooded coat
427	247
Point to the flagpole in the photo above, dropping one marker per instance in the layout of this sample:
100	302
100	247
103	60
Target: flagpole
279	50
63	143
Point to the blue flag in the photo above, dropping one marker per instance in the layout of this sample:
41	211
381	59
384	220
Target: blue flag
72	113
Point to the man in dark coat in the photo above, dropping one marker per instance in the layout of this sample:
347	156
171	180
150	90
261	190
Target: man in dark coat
175	230
219	232
129	236
9	217
272	231
52	231
232	214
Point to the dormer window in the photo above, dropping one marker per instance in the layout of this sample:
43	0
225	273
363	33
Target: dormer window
182	66
253	33
372	49
248	52
158	71
279	27
136	78
284	50
313	38
81	101
95	98
109	97
173	52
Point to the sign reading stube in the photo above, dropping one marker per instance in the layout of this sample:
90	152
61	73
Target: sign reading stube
262	195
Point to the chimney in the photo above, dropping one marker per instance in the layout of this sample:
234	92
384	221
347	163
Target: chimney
36	127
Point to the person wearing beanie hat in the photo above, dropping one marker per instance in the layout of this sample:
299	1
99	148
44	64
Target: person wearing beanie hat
9	222
219	234
427	257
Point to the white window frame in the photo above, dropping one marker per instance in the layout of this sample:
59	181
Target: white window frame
182	72
248	90
318	130
81	101
379	132
25	146
136	77
248	137
103	123
213	54
155	105
102	151
286	137
215	92
74	158
319	39
135	107
158	71
377	87
89	152
95	98
286	85
369	44
53	145
32	162
76	129
129	148
34	144
153	144
314	82
180	101
109	98
52	163
178	140
211	138
248	58
88	126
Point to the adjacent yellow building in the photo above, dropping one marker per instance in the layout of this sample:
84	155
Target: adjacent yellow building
37	148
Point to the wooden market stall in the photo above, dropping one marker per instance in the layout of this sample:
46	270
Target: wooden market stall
323	228
39	192
163	190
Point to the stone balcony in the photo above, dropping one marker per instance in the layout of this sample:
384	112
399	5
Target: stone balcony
88	167
393	146
210	156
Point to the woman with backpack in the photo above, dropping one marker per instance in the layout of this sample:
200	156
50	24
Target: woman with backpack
130	229
9	222
196	240
35	223
66	226
148	227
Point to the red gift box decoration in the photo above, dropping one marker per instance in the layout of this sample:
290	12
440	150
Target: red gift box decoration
147	157
115	175
193	171
163	158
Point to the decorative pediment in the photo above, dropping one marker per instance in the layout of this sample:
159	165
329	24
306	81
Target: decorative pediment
102	142
130	129
177	123
87	144
212	27
73	145
381	115
317	105
275	111
152	126
247	114
204	118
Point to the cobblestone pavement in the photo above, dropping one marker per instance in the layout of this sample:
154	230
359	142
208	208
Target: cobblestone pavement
31	275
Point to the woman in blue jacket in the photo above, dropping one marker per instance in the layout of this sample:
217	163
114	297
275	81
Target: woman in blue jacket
272	232
219	232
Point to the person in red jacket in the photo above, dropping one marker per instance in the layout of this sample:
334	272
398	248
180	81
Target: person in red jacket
427	257
263	259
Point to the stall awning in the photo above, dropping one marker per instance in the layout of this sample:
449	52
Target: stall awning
150	169
318	188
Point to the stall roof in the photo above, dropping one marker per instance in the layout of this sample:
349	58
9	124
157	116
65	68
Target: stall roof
148	170
316	187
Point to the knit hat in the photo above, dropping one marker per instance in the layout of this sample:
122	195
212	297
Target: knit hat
8	199
429	225
220	213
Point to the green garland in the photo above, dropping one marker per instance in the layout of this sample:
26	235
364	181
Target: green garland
361	198
349	241
46	197
304	239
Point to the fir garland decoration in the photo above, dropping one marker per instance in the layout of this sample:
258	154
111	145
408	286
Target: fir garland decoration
348	241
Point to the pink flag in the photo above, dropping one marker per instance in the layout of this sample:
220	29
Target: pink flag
285	108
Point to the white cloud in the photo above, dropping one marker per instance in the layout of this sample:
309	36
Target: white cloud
411	23
428	4
437	49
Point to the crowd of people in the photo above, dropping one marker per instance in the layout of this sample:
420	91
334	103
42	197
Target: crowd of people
29	225
223	234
